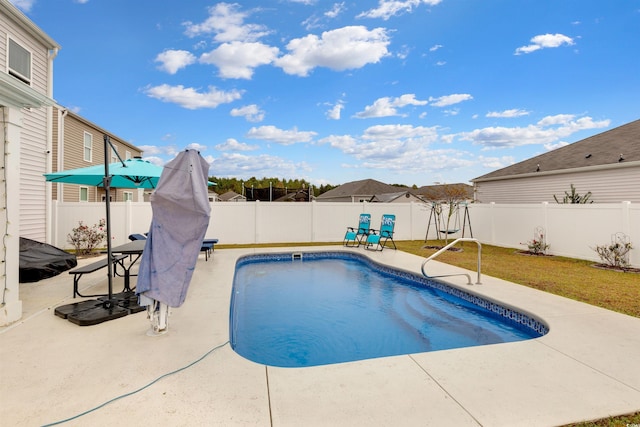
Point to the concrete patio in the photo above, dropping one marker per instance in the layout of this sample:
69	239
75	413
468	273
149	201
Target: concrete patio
585	368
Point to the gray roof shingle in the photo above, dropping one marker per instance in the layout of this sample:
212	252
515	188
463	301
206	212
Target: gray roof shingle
359	188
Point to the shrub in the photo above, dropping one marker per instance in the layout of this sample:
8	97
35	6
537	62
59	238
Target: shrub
538	245
86	239
574	197
615	254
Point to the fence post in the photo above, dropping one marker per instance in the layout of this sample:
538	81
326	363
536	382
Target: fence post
626	217
493	222
545	221
313	220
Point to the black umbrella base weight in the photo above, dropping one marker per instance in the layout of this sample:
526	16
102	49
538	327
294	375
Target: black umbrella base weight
93	312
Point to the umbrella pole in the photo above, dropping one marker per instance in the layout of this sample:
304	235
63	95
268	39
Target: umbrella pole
107	187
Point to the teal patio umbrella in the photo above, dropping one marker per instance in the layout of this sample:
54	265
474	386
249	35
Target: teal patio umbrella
132	173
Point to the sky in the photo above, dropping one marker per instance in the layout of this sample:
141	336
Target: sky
413	92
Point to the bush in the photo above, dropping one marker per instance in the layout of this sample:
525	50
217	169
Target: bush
86	239
538	245
615	254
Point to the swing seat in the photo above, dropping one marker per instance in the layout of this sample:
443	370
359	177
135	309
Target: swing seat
450	231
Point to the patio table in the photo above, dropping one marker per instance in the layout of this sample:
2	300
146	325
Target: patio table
134	249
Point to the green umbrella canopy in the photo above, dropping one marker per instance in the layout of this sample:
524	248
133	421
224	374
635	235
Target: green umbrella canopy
132	173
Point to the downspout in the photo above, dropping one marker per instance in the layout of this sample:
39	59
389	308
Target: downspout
52	53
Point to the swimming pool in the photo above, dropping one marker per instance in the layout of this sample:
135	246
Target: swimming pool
318	308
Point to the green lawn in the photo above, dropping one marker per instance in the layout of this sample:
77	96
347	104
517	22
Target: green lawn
568	277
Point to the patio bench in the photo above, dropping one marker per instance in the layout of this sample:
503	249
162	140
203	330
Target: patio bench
208	247
90	268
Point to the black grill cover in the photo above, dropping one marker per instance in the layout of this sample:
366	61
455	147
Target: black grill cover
40	261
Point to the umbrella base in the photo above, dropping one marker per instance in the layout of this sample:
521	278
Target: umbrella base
128	300
93	312
96	315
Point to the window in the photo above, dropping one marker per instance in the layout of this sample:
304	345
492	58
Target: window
19	62
127	195
88	146
114	155
127	155
84	194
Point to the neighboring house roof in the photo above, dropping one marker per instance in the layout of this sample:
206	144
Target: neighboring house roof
446	191
91	125
301	195
400	196
362	188
231	195
613	147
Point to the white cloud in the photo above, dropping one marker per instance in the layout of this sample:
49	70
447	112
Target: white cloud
388	8
435	47
236	60
155	160
251	113
173	60
244	166
280	136
546	131
334	112
446	100
385	107
341	49
190	98
399	148
508	113
196	146
233	145
23	5
545	41
150	149
227	23
559	144
496	162
335	10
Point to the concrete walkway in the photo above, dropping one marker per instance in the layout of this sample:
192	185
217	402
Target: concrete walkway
586	367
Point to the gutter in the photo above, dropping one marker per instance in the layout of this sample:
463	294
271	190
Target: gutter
608	166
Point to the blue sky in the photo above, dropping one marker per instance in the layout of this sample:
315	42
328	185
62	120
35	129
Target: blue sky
404	91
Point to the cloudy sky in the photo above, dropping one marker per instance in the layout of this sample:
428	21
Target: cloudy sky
402	91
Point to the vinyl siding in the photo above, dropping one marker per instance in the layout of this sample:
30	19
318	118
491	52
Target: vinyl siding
73	156
606	186
33	143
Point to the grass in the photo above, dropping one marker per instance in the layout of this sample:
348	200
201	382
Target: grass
567	277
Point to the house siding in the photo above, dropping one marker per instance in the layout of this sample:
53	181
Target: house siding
33	143
606	186
69	154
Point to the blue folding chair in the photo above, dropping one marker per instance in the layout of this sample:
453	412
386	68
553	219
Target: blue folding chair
354	236
377	239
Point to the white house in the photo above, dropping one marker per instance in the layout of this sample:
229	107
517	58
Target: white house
26	90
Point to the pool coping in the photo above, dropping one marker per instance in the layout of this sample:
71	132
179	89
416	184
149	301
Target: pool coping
584	368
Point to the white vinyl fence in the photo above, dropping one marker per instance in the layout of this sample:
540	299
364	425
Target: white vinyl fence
571	230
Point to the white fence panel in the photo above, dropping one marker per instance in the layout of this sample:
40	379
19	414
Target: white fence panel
571	230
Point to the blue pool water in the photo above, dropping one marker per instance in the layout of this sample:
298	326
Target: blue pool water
336	307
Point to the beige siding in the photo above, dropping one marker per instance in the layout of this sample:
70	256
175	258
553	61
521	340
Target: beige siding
73	129
606	186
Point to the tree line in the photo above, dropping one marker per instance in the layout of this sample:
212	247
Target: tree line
241	186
